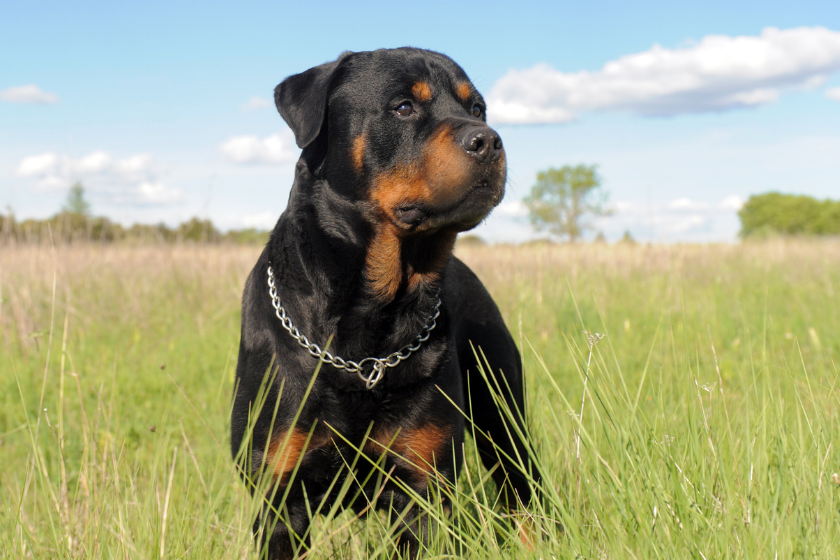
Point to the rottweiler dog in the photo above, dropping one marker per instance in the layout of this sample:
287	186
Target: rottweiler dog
397	159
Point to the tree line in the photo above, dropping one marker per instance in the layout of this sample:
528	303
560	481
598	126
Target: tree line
75	223
563	202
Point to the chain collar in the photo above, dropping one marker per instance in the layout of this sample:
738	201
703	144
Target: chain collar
378	364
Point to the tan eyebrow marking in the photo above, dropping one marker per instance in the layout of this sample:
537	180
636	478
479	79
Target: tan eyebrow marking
463	90
358	151
421	91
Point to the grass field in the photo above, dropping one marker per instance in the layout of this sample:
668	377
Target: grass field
710	429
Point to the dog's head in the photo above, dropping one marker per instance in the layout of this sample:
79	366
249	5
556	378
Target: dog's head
403	134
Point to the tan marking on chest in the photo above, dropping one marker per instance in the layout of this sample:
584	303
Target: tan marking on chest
383	266
284	452
527	531
287	447
416	447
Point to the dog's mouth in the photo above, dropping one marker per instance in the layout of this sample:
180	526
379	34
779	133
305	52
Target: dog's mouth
466	212
411	215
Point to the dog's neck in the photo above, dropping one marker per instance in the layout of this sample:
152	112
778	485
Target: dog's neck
370	288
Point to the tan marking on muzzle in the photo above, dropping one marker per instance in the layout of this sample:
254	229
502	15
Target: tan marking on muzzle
437	179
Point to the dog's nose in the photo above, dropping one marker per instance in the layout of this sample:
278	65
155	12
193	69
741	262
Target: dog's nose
483	144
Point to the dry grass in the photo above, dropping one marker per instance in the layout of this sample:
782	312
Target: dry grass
106	283
710	428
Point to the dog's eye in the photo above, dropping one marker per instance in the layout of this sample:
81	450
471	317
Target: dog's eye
405	109
476	111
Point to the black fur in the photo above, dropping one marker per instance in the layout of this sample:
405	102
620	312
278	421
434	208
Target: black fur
347	205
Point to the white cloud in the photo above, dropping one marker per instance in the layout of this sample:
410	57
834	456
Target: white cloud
733	202
682	218
685	224
717	73
63	169
256	102
52	170
686	203
263	220
30	94
132	180
42	164
277	148
156	193
145	193
833	93
95	162
511	208
135	168
622	206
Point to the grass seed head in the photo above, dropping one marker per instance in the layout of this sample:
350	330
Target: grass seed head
593	338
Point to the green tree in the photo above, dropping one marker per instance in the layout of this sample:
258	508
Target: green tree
627	238
564	201
197	230
776	213
76	202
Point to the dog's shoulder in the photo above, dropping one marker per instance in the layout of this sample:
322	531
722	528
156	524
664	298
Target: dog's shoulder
462	286
257	330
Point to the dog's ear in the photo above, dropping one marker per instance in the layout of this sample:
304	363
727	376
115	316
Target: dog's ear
302	100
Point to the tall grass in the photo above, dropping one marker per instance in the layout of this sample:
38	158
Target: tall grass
704	424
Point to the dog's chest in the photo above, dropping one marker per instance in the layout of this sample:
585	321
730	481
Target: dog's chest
410	434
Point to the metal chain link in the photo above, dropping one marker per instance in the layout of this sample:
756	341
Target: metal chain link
378	364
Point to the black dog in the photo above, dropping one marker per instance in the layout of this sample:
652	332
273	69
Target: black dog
397	159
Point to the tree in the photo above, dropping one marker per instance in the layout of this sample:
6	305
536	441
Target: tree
76	203
789	214
563	201
197	230
627	238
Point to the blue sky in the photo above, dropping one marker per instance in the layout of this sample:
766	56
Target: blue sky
161	108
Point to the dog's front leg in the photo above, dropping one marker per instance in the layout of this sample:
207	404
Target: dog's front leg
281	532
412	527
